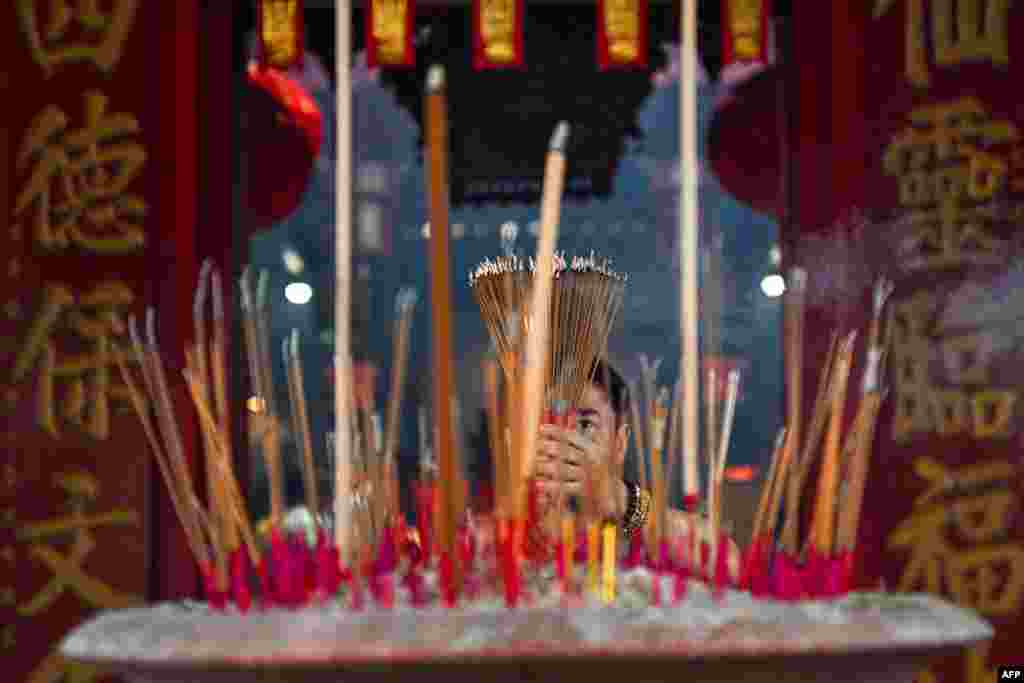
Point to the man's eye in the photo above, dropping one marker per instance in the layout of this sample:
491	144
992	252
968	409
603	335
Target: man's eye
587	426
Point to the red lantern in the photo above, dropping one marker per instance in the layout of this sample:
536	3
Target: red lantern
282	137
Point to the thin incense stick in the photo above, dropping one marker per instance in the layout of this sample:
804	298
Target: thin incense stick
218	362
343	279
300	420
824	515
183	511
440	299
405	302
732	392
213	497
689	241
768	500
494	432
793	323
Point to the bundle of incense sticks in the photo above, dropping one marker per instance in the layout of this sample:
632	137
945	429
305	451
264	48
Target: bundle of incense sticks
829	551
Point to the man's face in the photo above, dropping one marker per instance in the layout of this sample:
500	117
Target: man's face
596	421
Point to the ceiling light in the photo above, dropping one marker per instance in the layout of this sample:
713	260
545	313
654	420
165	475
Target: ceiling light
773	285
298	293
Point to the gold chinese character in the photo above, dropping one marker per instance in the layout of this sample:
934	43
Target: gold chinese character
947	171
279	24
973	576
79	33
960	32
82	490
389	22
7	640
745	21
78	182
623	26
909	324
497	28
95	318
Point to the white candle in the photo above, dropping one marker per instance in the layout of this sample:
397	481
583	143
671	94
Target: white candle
688	241
343	279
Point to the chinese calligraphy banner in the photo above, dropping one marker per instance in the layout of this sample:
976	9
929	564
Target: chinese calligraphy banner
77	250
945	190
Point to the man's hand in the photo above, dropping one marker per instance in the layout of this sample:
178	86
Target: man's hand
567	458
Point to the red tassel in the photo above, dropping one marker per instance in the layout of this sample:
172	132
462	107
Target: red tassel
510	540
705	561
448	593
635	556
425	497
240	579
266	588
790	579
215	597
682	571
722	576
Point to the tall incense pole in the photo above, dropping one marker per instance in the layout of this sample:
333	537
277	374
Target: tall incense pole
436	133
343	279
688	242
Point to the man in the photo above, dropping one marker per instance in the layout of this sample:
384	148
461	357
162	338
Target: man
601	433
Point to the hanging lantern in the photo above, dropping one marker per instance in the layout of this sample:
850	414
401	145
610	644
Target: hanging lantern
280	29
497	34
745	31
283	134
621	34
389	33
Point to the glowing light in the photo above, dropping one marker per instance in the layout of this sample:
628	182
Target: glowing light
773	285
775	255
298	293
293	262
254	404
740	473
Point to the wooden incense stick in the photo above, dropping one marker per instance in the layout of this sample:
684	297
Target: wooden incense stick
824	515
768	502
793	338
214	499
725	435
343	278
639	434
800	457
258	373
405	302
536	356
871	403
440	301
219	458
711	434
292	356
218	364
689	315
185	512
492	406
